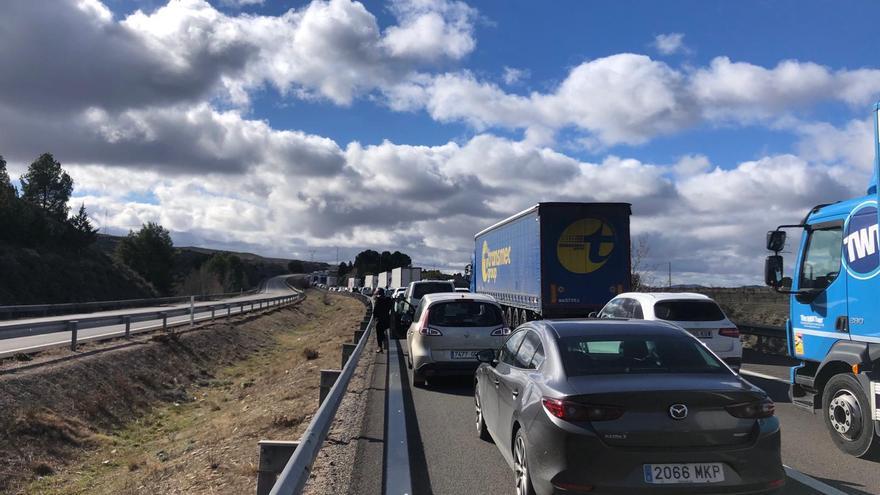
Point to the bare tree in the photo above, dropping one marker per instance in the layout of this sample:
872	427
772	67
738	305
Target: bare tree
642	272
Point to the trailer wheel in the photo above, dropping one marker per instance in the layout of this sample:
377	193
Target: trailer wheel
847	414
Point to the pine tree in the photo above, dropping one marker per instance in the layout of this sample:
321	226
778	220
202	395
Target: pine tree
84	233
47	185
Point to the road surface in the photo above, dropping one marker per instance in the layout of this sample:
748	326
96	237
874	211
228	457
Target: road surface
446	457
276	286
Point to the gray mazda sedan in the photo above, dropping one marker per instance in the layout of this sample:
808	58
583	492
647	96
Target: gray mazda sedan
605	406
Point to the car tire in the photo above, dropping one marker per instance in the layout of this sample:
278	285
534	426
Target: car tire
479	422
418	379
522	474
847	414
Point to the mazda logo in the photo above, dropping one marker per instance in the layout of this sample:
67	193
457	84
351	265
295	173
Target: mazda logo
678	411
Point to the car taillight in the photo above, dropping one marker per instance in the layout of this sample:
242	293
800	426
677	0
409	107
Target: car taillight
575	411
753	410
729	332
501	332
432	332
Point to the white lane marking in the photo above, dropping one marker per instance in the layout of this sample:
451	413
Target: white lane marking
811	482
762	375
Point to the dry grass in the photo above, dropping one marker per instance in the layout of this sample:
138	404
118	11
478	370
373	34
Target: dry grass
202	438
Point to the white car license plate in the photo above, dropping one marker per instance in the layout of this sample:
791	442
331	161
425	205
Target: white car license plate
703	334
684	473
464	354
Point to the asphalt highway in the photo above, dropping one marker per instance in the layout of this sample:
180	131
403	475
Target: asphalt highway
275	286
447	457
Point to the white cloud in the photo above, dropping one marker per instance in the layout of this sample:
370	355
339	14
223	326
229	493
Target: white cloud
668	44
514	76
431	29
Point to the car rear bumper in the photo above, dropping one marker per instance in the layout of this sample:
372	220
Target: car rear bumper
448	368
560	457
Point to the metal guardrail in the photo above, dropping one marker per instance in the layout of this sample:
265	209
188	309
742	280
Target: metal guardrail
398	480
67	308
296	472
74	326
762	331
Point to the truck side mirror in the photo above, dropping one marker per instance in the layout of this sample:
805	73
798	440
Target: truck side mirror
776	240
773	270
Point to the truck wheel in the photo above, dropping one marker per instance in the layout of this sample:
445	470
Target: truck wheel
847	413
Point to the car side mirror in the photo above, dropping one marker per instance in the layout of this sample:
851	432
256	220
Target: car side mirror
776	240
486	356
773	270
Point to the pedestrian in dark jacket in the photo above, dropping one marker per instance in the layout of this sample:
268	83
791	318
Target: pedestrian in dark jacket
382	313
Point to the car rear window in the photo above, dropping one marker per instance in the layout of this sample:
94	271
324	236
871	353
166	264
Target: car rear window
430	288
688	311
605	355
464	314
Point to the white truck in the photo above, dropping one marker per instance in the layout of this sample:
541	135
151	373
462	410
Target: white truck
353	283
382	279
369	281
401	277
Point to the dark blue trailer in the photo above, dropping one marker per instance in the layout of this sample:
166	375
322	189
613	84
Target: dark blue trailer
555	260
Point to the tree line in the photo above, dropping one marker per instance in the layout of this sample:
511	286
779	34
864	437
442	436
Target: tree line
36	215
371	262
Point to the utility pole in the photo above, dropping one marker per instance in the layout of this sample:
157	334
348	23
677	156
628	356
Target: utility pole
670	274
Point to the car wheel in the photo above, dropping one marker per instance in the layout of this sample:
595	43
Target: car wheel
482	431
847	415
418	379
521	466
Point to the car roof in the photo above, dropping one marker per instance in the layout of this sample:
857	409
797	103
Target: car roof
665	296
453	296
431	281
605	326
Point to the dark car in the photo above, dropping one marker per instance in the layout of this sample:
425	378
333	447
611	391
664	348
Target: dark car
627	407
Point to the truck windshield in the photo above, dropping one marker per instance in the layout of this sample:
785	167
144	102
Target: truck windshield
430	288
688	311
464	314
595	355
821	263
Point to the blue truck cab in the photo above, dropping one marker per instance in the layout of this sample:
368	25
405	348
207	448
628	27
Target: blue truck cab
833	327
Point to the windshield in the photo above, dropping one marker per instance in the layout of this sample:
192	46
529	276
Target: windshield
688	311
604	355
464	314
430	288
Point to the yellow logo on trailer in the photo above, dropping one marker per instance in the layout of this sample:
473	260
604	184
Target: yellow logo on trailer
492	259
585	245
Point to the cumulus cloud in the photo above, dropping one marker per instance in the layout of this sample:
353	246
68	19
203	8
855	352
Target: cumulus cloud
512	76
668	44
630	98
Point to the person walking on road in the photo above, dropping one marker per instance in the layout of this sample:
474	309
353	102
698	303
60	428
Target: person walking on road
382	313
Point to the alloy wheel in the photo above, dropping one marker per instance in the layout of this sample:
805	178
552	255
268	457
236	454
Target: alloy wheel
519	466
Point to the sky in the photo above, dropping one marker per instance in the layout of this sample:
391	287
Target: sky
314	130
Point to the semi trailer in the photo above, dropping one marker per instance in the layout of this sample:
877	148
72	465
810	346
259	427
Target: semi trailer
554	260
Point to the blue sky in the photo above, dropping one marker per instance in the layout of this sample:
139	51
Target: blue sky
548	41
411	124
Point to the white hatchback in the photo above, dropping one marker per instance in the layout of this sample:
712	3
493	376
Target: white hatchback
696	313
448	330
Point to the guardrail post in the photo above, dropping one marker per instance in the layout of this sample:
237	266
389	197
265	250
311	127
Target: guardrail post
212	312
228	312
192	311
274	455
127	321
164	317
328	378
74	327
347	349
357	335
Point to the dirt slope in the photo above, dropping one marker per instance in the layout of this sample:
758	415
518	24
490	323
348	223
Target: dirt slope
175	416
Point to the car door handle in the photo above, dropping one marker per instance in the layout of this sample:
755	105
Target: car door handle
842	324
515	393
497	383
